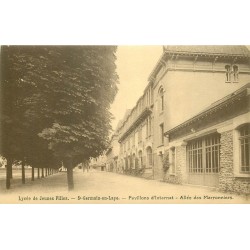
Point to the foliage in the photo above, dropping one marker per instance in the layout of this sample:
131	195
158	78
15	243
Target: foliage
56	102
166	164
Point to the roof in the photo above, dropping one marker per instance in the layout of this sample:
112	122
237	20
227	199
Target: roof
214	106
207	50
232	50
226	98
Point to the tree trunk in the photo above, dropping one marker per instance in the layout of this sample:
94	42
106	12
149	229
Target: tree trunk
42	173
23	172
11	172
38	173
32	174
8	173
70	175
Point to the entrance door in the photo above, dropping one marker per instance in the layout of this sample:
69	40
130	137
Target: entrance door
203	158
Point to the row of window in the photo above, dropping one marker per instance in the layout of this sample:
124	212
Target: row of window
131	139
140	162
203	155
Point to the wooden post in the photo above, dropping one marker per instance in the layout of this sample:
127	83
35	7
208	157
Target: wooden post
23	172
42	173
8	173
38	173
32	174
70	175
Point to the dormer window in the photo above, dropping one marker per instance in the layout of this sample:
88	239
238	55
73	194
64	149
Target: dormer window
228	73
236	73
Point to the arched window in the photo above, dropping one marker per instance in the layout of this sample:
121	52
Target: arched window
140	159
244	138
228	73
149	157
133	161
236	73
161	98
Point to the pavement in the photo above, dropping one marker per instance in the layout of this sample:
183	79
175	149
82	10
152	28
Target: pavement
111	188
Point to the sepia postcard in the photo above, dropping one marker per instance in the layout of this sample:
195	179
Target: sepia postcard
142	124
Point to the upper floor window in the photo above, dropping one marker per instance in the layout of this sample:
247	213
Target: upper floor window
140	135
133	140
161	98
235	73
232	73
228	73
244	138
162	134
149	126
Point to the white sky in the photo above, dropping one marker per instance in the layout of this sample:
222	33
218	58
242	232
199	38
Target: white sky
134	64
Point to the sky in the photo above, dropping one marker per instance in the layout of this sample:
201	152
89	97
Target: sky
134	65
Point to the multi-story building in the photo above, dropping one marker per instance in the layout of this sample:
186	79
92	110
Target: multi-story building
212	147
98	163
136	137
185	81
112	154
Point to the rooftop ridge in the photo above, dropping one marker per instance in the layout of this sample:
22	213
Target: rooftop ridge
233	50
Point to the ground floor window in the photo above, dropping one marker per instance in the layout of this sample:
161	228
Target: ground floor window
244	148
149	157
140	159
204	154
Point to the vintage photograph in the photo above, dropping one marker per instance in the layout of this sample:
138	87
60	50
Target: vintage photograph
148	124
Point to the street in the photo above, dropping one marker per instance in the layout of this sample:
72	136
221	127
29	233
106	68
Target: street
106	187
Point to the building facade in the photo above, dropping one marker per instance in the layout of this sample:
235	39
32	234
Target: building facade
112	155
98	163
212	148
184	82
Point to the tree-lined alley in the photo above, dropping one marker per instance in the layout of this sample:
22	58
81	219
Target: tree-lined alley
55	104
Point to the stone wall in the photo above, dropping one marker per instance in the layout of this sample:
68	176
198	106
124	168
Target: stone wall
158	168
180	170
227	181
